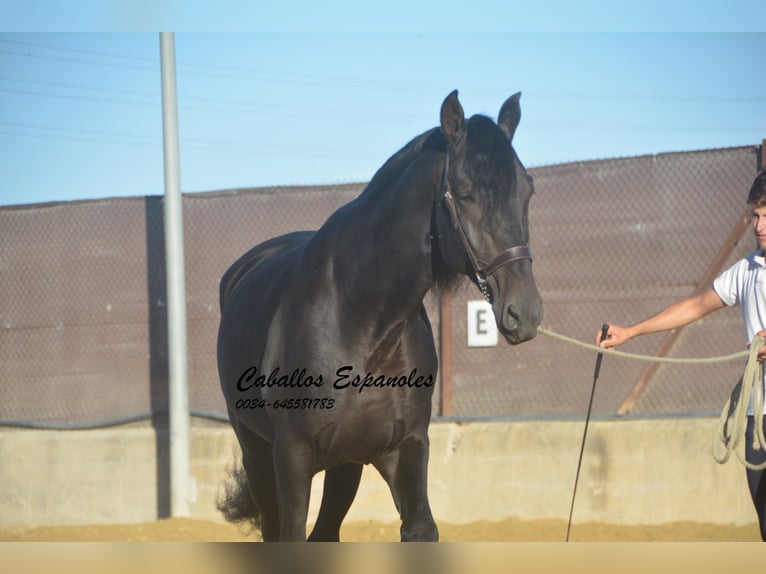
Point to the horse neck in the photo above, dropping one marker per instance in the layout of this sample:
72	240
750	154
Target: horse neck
387	246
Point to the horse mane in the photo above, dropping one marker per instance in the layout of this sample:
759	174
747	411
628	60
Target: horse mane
395	166
487	142
445	278
485	138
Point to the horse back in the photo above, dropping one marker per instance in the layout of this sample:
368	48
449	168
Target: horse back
248	262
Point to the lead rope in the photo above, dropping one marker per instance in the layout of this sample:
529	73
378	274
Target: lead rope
645	358
733	420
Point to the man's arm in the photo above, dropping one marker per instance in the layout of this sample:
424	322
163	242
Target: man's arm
677	315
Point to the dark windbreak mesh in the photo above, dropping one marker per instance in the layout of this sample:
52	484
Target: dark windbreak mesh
83	316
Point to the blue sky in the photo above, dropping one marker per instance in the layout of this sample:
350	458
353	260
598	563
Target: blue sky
80	113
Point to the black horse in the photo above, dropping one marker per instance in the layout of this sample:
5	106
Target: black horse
325	352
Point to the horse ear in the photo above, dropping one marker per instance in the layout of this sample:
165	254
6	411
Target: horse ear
510	115
452	118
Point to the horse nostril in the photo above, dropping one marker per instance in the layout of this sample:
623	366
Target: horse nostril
511	321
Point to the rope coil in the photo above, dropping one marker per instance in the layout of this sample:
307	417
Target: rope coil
733	420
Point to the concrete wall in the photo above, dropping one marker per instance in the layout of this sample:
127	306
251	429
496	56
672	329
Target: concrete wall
634	472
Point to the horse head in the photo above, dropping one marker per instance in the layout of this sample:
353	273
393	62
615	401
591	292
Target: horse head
485	193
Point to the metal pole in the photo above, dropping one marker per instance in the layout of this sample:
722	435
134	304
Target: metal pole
180	468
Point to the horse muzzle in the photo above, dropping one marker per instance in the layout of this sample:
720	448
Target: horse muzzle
519	319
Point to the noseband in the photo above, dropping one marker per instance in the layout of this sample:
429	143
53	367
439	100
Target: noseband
481	272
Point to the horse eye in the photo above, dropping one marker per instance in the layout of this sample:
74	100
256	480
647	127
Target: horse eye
463	197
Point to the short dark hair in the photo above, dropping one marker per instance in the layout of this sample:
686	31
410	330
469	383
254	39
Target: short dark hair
757	195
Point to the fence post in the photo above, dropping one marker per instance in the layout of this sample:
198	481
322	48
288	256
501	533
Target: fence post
445	352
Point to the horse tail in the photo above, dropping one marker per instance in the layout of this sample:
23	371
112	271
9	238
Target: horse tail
237	504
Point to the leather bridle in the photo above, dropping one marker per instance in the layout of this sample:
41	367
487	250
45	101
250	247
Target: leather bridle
481	272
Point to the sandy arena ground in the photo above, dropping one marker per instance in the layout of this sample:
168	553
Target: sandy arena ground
511	530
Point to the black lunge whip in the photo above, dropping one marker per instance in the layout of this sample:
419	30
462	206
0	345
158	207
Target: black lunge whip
604	330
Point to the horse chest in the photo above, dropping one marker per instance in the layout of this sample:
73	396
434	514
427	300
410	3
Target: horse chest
355	439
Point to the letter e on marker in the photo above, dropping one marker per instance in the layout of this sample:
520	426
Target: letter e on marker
482	330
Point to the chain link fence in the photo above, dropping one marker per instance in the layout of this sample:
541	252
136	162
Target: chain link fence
615	241
83	333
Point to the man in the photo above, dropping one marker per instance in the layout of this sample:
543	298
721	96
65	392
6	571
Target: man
744	284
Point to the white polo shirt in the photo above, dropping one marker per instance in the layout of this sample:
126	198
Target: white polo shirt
744	283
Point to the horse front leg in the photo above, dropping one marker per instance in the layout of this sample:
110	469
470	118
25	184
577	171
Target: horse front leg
293	469
340	486
406	472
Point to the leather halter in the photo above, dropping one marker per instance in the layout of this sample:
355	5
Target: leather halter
481	272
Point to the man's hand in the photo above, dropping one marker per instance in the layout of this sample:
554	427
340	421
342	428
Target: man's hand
617	335
762	351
